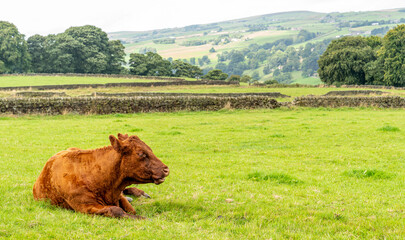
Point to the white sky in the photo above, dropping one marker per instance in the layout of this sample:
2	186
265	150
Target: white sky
55	16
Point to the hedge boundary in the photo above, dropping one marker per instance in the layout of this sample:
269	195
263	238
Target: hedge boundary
336	102
124	84
104	105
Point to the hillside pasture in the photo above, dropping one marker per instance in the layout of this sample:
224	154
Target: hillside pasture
177	51
257	174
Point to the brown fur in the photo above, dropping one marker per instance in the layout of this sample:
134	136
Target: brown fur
92	181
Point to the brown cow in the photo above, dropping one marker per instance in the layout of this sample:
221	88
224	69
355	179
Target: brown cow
92	181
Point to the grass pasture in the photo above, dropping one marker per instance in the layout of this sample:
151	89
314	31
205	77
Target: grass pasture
258	174
18	81
14	81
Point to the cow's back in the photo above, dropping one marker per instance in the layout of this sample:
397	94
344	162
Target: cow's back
50	184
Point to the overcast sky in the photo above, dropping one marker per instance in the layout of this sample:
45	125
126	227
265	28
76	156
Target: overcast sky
54	16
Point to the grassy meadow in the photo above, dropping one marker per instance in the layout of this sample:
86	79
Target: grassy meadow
292	92
14	81
18	81
254	174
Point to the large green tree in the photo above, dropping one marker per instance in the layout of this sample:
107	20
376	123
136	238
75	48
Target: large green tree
37	49
14	57
183	69
149	64
216	74
88	46
83	49
393	53
345	61
116	57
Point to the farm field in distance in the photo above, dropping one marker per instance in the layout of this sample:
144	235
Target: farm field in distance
299	173
18	81
14	81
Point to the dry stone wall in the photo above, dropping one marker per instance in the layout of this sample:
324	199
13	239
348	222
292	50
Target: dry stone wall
354	93
41	94
165	94
372	87
334	102
104	105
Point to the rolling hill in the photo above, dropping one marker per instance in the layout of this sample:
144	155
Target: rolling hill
211	40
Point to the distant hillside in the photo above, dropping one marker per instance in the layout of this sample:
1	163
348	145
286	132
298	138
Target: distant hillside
216	39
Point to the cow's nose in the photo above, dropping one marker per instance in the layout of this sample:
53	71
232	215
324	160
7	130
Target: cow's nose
166	171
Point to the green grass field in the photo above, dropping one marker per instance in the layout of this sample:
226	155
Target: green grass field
243	88
259	174
17	81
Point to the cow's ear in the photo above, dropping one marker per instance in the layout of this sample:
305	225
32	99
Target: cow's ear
117	145
122	137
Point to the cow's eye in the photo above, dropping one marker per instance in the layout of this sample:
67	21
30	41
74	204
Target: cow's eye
143	156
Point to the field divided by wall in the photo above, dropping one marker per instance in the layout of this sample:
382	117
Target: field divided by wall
243	174
257	173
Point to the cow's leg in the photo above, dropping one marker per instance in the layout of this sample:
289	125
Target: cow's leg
124	204
135	192
97	209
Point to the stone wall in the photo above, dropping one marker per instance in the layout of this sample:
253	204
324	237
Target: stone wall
333	102
103	105
372	87
354	93
165	94
41	94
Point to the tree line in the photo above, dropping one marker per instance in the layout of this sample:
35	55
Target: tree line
365	60
84	49
276	59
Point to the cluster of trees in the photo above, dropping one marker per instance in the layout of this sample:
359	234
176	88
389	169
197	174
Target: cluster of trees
305	35
164	41
14	56
84	49
87	49
225	38
193	43
369	23
278	57
152	64
144	50
365	60
380	31
257	27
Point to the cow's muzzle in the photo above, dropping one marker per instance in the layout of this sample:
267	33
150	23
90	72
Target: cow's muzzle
165	173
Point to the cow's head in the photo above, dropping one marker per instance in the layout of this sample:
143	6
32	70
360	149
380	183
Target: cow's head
138	161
